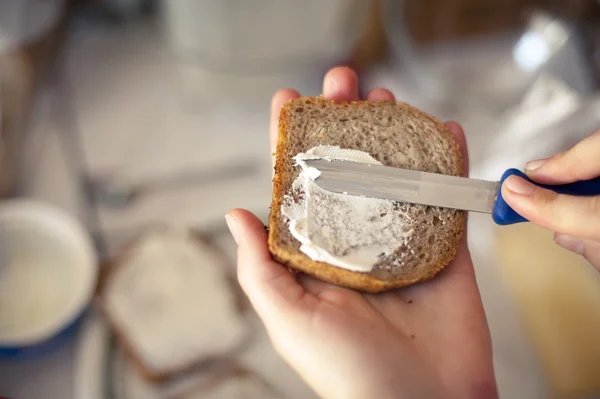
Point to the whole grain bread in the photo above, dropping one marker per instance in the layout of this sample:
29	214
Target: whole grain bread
396	135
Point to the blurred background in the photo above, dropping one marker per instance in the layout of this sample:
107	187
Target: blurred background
119	115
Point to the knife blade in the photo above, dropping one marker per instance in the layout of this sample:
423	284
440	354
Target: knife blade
423	188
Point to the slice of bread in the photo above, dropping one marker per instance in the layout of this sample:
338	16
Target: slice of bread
128	382
396	135
171	303
257	371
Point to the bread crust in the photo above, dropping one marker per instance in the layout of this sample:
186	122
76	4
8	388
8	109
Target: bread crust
364	282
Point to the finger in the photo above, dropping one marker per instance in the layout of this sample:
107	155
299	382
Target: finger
462	264
589	249
280	98
380	95
577	216
269	286
582	162
459	136
340	84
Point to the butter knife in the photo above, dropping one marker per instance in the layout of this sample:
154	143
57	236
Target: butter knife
422	188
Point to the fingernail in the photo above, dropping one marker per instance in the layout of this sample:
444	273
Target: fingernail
533	165
519	185
569	243
329	86
231	224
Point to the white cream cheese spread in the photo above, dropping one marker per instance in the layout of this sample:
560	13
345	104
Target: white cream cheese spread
346	231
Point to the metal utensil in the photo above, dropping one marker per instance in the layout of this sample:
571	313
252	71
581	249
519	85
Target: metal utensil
431	189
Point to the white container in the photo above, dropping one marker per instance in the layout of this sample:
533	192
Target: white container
266	34
245	50
48	273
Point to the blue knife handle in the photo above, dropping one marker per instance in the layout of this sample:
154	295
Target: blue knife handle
504	215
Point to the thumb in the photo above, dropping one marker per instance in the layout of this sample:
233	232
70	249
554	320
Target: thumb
589	249
576	216
270	287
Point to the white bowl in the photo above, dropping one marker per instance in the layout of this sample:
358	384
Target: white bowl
48	273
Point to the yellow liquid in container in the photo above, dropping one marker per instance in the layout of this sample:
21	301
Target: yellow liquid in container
558	296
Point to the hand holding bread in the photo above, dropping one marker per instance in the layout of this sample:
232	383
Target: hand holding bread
426	340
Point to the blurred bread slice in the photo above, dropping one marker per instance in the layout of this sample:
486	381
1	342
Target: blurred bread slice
170	302
129	383
224	378
238	383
